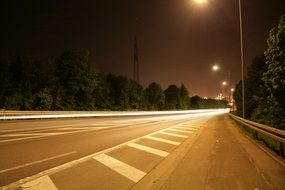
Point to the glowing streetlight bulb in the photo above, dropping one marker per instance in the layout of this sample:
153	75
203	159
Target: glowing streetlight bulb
224	83
200	1
232	89
215	67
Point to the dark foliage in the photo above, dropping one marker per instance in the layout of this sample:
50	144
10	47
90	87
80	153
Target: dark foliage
71	83
265	83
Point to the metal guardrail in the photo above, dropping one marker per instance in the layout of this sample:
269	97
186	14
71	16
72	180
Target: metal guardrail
276	134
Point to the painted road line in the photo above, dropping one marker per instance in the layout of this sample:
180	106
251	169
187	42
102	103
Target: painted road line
37	162
149	149
41	135
186	128
122	168
31	134
171	134
42	183
20	135
163	140
179	130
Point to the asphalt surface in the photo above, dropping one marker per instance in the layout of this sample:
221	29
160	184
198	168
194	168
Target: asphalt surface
132	152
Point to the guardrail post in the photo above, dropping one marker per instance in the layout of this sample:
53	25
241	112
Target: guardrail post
281	150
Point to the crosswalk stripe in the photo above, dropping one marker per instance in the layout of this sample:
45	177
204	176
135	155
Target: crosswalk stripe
171	134
163	140
122	168
42	183
179	130
185	128
149	149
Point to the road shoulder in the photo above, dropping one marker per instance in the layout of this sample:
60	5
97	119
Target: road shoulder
218	157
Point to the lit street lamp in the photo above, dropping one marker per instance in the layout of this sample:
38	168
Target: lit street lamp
200	2
215	67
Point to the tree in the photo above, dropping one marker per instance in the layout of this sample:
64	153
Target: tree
172	94
183	97
43	100
119	92
274	78
137	96
155	96
256	93
75	81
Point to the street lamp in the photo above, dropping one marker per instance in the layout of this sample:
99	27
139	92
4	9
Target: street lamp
241	51
241	57
215	67
200	1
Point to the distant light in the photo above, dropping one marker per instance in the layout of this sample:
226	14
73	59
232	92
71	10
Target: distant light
232	89
224	83
200	1
215	67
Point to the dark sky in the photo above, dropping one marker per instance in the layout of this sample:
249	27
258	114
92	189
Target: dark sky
178	41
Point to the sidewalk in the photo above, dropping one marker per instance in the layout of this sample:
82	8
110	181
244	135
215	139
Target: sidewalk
223	158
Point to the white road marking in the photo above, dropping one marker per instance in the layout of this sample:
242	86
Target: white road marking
39	135
36	162
122	168
149	149
171	134
178	130
20	135
30	134
42	183
185	128
163	140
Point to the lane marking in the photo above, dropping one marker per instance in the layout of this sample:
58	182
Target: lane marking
171	134
44	135
20	135
178	130
79	126
37	162
185	128
30	134
42	183
122	168
163	140
149	149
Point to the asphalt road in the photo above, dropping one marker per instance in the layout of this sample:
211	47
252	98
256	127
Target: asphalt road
30	147
111	153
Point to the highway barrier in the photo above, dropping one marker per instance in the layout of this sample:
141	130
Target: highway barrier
275	134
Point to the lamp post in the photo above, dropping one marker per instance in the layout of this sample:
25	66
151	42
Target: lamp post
241	51
224	83
215	68
242	58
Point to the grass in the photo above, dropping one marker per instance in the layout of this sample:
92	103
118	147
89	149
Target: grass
270	143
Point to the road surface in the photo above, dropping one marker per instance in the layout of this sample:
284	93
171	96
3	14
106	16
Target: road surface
190	151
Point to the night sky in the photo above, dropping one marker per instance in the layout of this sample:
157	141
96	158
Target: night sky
178	41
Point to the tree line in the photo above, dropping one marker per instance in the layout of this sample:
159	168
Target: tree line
70	82
265	83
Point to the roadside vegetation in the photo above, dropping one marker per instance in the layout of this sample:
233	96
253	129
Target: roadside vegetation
265	83
71	82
